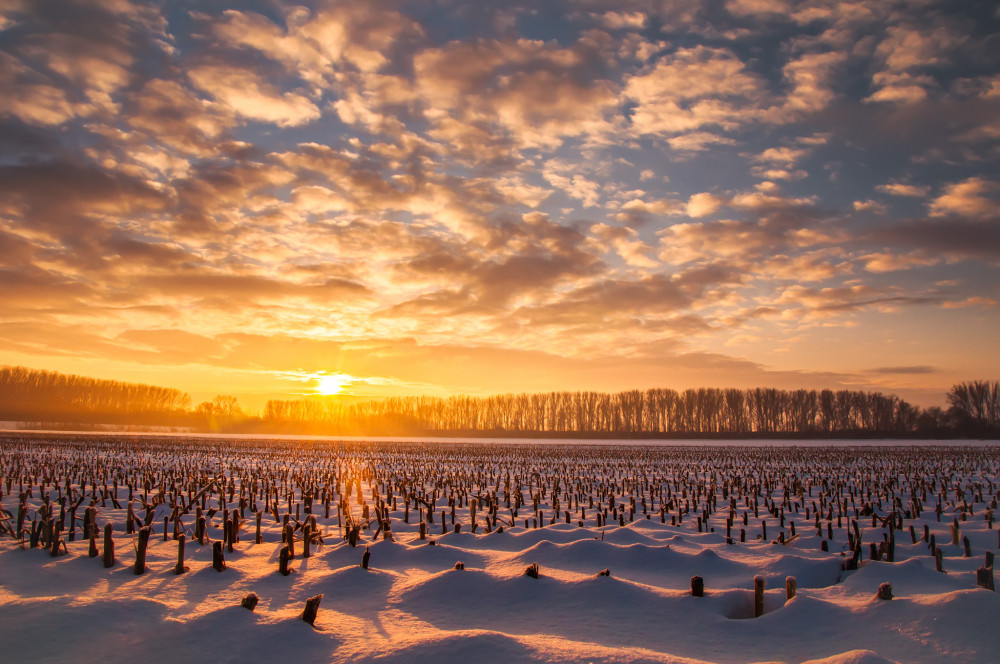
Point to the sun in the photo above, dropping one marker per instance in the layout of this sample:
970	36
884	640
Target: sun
332	384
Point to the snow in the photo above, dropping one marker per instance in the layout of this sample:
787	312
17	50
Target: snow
412	605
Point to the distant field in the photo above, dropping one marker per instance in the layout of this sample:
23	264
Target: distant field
449	531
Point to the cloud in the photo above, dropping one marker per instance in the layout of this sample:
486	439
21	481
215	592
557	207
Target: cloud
905	53
68	200
620	20
777	163
694	88
755	7
314	199
953	237
870	206
240	289
405	363
71	59
251	96
766	242
607	300
216	195
768	202
25	290
902	189
779	173
720	240
637	212
697	141
537	258
907	48
173	345
534	92
691	89
519	191
175	116
626	242
812	77
32	97
911	370
902	88
317	45
973	197
576	186
817	303
819	265
99	67
703	204
695	95
891	262
362	181
975	301
781	156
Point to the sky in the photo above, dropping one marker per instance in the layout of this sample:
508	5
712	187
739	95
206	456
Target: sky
272	200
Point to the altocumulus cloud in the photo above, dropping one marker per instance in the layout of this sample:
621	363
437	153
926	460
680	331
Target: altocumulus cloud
582	188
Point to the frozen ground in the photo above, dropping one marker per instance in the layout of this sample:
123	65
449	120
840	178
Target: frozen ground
412	605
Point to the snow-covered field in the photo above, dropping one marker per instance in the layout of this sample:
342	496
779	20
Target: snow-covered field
667	510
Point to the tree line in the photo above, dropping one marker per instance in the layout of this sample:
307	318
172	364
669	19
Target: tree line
974	409
976	405
645	412
49	396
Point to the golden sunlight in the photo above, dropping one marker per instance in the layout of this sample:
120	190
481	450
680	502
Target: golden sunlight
332	384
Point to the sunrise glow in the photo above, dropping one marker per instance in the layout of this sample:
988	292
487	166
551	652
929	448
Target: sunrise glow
332	384
483	198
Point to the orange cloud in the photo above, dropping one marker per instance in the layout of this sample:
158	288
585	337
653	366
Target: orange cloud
32	97
694	88
358	183
251	96
972	197
902	189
